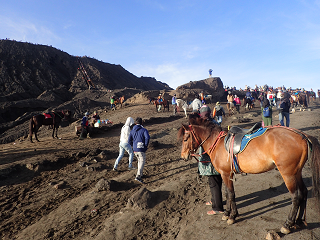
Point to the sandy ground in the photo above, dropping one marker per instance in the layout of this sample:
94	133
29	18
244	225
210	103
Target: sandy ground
32	206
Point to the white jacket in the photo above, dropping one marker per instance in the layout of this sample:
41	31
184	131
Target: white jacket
125	130
196	104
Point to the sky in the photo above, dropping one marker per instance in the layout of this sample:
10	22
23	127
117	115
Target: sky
249	42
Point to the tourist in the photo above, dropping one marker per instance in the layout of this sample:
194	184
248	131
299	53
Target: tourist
284	111
206	168
139	140
124	145
218	112
237	103
85	128
174	104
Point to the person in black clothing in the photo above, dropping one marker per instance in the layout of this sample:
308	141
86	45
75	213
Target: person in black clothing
206	168
284	111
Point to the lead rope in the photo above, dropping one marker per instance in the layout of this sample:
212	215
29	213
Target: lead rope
232	176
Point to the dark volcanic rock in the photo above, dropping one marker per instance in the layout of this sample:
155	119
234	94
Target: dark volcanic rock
37	78
210	86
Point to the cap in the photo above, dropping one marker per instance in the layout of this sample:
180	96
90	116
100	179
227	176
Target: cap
87	114
218	103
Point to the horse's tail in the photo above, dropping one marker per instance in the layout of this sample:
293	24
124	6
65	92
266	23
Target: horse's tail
31	128
315	166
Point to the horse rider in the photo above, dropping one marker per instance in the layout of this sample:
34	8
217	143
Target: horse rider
95	117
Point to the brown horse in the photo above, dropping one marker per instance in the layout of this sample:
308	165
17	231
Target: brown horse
50	119
248	104
311	96
299	99
164	104
230	107
281	147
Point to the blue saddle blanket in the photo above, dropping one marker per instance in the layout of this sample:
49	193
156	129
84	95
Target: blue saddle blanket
248	137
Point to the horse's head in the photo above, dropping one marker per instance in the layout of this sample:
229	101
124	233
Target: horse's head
189	141
191	135
67	115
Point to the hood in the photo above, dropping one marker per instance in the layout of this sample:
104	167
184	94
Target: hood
129	122
137	127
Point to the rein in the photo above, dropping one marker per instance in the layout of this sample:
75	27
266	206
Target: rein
59	115
211	148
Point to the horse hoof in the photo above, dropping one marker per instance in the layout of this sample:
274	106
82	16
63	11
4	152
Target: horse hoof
225	218
230	221
285	230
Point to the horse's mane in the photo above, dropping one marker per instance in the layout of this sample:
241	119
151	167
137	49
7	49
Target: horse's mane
195	119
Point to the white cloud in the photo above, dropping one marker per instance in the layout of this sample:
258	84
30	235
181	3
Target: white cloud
171	73
24	30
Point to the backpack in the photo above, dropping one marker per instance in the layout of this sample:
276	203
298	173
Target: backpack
266	112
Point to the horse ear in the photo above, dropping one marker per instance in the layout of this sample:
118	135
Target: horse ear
181	132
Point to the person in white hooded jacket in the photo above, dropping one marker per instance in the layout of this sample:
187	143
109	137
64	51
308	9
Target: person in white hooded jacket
124	145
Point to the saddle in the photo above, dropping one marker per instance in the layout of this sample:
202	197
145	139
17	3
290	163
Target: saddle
48	115
232	142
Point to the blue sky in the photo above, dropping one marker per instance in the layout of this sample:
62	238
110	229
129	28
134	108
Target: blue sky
275	42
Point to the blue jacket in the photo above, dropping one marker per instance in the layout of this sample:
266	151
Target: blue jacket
174	100
84	121
139	138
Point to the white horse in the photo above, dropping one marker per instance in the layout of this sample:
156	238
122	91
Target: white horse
208	98
182	104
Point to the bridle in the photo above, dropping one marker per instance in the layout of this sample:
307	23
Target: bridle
192	152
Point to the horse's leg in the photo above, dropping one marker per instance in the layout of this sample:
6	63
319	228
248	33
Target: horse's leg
298	194
35	133
185	112
56	127
301	219
53	128
31	129
231	211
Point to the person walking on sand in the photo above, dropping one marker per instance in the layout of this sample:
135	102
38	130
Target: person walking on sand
237	103
174	104
85	128
218	112
139	140
124	145
196	104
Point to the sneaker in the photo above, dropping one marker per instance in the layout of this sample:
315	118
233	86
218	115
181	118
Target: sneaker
139	180
131	168
114	169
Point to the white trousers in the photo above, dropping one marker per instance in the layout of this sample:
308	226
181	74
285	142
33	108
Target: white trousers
141	156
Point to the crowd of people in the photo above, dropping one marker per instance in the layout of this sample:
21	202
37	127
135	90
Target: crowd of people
134	138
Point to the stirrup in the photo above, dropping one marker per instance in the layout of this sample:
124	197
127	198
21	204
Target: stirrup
232	178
